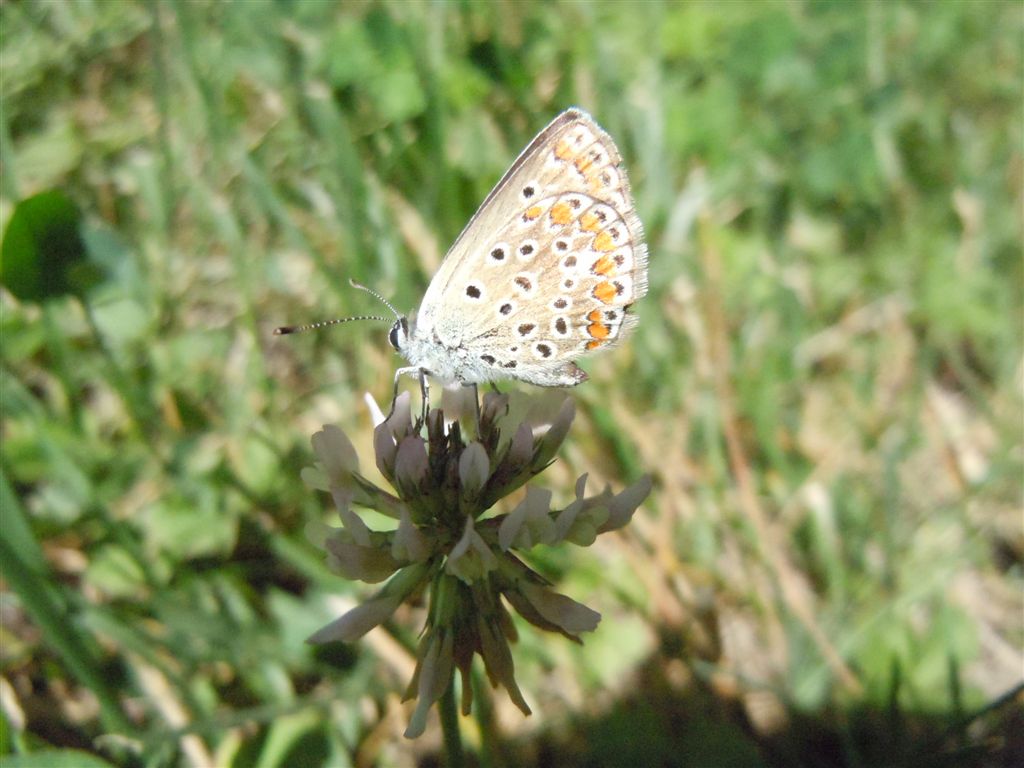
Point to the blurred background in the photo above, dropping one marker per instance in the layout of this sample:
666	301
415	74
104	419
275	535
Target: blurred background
826	381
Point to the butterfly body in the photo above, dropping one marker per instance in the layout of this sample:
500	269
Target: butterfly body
543	273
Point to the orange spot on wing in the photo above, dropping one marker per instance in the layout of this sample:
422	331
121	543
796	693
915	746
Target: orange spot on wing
561	213
598	330
583	164
594	316
589	222
533	212
593	345
605	292
603	266
563	151
603	242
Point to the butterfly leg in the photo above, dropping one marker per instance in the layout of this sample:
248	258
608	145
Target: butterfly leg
421	374
424	394
476	408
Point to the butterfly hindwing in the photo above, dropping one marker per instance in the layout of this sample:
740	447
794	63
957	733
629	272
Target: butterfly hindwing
547	267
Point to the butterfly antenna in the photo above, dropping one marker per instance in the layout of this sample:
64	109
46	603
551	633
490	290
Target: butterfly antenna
376	295
286	329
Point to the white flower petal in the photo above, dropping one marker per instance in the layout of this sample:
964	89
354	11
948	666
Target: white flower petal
357	622
552	439
336	453
385	449
458	402
560	610
400	422
317	533
529	523
474	469
409	543
411	462
352	522
314	478
494	407
583	533
622	506
471	557
566	518
376	414
581	485
435	674
521	449
508	531
498	661
361	619
371	564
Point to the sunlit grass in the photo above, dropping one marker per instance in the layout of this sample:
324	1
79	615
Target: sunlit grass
825	382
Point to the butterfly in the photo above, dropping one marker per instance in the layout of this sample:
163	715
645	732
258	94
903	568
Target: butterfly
544	273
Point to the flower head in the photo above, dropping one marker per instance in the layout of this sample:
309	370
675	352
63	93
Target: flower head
445	540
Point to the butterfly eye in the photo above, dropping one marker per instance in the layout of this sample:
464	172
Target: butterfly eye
399	328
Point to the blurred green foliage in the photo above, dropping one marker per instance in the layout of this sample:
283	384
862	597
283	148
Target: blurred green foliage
835	187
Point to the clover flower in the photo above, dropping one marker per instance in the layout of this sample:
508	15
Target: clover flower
444	542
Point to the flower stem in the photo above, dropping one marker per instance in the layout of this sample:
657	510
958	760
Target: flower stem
450	727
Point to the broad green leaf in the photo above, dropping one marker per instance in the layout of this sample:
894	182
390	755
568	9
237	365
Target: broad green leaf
43	255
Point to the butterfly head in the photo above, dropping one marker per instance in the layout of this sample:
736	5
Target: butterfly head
399	335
